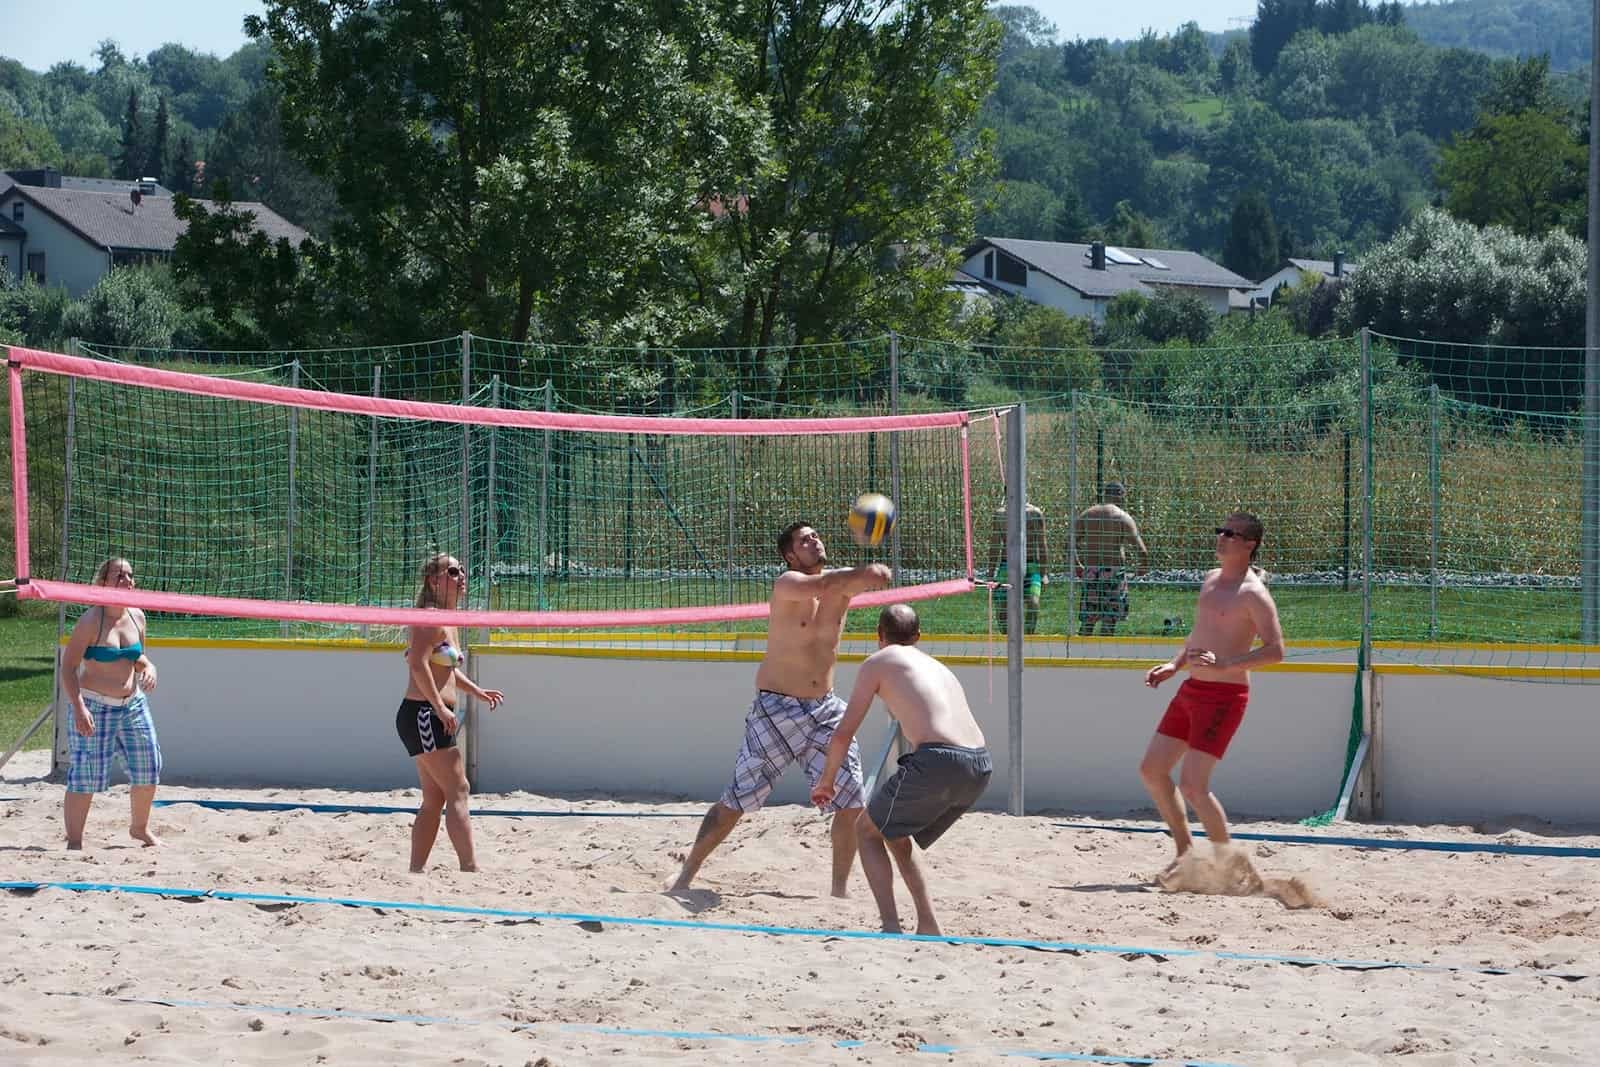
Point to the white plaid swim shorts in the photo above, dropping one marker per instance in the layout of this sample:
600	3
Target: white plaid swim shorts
780	730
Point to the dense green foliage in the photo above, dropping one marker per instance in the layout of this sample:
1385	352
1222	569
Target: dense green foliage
1505	28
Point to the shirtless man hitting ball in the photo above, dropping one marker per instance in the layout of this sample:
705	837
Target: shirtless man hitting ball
795	711
1234	608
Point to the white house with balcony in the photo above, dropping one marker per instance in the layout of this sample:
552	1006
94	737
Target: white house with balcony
1081	279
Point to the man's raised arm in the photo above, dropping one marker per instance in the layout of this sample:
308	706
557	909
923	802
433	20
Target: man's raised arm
846	582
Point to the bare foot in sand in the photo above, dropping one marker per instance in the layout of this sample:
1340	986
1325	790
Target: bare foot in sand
75	846
142	833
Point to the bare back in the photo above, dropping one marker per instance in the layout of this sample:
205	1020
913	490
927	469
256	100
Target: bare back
803	645
1225	622
1103	535
923	695
1037	545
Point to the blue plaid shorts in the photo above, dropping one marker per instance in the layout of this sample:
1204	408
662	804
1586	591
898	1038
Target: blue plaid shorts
781	730
120	728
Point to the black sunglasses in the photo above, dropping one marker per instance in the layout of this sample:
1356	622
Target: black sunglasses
454	571
1223	531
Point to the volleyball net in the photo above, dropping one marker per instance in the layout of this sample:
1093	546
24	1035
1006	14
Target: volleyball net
247	498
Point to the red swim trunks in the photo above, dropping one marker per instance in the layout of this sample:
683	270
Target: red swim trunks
1205	715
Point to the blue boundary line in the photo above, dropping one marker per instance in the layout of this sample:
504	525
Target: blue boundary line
626	1031
386	809
1397	843
1069	947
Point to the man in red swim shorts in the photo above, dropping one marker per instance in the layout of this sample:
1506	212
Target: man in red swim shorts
1233	610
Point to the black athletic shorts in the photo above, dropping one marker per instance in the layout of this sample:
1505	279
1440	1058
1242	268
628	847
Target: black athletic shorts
934	787
421	729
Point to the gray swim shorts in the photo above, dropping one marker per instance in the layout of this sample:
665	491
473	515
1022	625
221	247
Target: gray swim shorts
934	787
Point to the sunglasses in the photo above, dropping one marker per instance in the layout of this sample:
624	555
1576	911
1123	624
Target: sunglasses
1223	531
455	571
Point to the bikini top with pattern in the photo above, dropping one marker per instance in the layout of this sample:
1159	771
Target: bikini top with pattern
445	654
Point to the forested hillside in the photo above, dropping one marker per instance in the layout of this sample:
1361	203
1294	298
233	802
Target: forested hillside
1558	28
1333	116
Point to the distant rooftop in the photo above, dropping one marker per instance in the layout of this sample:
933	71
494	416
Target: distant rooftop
50	178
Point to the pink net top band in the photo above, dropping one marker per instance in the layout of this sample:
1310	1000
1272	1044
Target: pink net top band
261	393
355	614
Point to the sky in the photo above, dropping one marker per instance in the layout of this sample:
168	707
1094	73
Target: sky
73	28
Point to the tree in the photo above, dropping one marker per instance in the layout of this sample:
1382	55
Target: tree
1234	71
1520	85
1174	315
1128	227
1277	21
1072	220
1523	170
1042	350
521	166
1443	279
1024	29
872	161
131	161
128	306
256	291
250	154
159	148
1080	58
180	177
24	144
1252	246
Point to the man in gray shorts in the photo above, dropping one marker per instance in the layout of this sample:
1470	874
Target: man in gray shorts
936	783
795	712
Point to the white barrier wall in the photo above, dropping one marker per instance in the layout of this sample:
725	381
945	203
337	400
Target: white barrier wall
669	727
236	714
1087	729
1464	749
1454	748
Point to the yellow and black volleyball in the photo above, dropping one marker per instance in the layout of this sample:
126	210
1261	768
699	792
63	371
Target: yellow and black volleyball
871	518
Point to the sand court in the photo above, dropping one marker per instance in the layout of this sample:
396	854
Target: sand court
549	953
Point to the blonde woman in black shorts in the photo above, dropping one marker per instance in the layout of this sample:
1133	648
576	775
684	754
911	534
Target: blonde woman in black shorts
427	720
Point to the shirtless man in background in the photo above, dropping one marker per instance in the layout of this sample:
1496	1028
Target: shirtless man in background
937	782
1233	610
1104	536
795	711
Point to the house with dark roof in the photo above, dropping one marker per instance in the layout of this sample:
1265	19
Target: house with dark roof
72	236
1294	270
1081	279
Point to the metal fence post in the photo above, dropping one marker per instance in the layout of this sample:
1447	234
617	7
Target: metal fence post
465	549
1590	537
59	751
733	494
372	497
1367	502
487	566
1072	514
544	505
1433	512
289	516
1016	569
894	451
